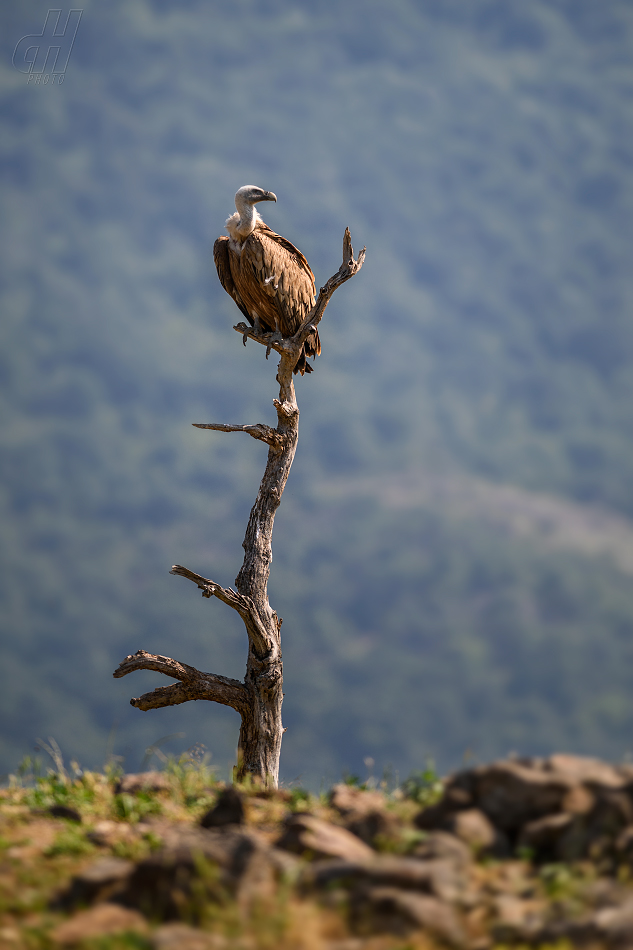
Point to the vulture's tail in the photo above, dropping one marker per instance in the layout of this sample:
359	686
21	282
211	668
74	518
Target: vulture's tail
302	366
311	347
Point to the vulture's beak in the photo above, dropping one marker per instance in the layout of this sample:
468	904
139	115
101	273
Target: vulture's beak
269	196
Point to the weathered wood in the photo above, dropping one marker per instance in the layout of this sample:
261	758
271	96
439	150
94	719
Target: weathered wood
193	684
260	431
258	699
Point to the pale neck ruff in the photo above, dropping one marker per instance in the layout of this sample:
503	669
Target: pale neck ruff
242	223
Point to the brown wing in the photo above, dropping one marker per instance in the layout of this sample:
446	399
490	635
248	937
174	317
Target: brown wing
223	266
279	277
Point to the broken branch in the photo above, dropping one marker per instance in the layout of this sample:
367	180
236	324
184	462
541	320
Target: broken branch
243	604
348	268
260	431
193	684
210	589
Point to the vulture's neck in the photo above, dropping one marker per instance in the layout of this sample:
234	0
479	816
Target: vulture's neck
242	223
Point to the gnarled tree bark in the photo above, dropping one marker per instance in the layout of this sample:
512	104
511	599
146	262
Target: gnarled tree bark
258	699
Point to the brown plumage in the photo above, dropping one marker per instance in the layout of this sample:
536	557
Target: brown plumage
267	277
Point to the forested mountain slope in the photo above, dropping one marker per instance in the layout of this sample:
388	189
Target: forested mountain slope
483	153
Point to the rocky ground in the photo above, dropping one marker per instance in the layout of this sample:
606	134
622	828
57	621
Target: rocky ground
523	852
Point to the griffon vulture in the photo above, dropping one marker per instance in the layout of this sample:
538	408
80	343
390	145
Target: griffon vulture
267	277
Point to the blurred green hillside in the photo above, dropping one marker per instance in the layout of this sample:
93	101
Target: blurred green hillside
454	552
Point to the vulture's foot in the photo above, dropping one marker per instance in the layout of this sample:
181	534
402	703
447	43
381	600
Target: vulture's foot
275	337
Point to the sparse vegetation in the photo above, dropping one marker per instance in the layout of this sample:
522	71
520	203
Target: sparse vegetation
480	897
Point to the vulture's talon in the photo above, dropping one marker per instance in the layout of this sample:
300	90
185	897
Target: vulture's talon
244	338
275	337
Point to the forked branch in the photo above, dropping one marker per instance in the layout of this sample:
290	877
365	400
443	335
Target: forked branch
239	602
292	346
193	684
348	268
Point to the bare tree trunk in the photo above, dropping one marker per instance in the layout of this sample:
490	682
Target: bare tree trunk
258	699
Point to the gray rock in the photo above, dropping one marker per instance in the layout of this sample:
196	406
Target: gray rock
142	782
517	920
197	865
624	845
287	866
578	801
509	794
352	802
107	833
365	813
442	845
228	810
310	836
612	813
98	922
542	836
178	936
512	795
583	770
610	926
374	826
438	817
63	811
616	924
390	910
439	878
349	943
98	882
477	831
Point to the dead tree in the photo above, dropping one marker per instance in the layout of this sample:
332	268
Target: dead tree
259	697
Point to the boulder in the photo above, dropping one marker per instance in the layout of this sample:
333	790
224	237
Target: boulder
107	833
611	927
63	811
624	845
387	909
352	802
444	846
611	814
439	878
583	770
615	924
348	943
100	921
228	810
543	836
516	920
365	813
477	831
511	794
197	865
374	827
516	792
571	835
142	782
439	816
307	835
578	801
98	882
176	936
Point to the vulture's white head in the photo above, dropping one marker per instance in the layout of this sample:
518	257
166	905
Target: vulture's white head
241	224
250	195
